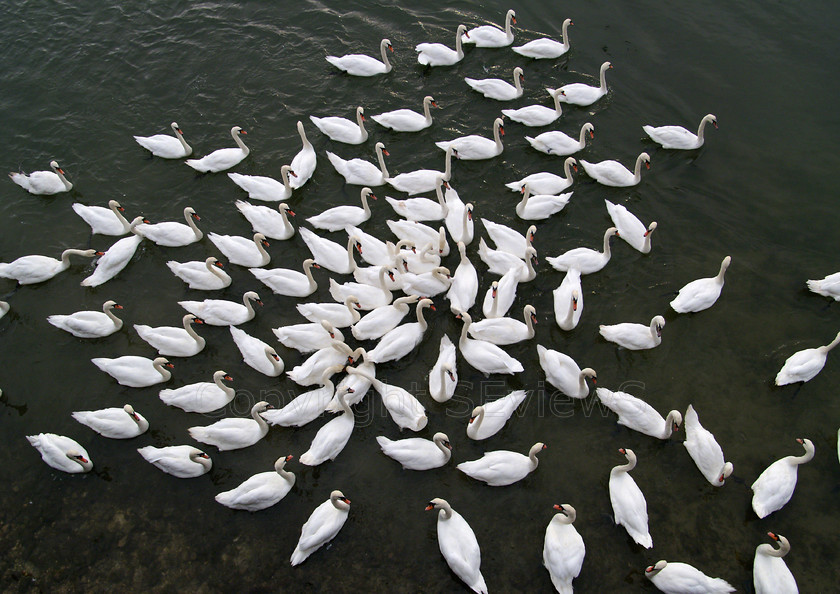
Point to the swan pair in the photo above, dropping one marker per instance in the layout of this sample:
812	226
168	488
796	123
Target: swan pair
116	257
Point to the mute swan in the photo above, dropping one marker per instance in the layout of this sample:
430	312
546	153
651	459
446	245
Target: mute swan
328	253
583	94
339	315
568	300
464	288
383	319
116	423
267	189
208	275
489	418
491	35
257	354
407	120
423	180
804	365
244	251
224	158
437	54
234	433
201	397
116	258
360	172
474	147
322	526
677	137
504	331
545	48
496	88
261	490
90	324
770	572
62	453
309	337
43	183
674	577
563	373
502	467
405	410
417	453
402	340
702	293
341	129
510	240
634	413
563	549
105	221
613	173
628	502
484	356
443	378
560	144
304	162
774	487
171	341
183	461
500	261
289	282
828	286
422	209
458	218
536	115
704	450
458	545
369	297
165	146
338	217
635	337
499	297
272	223
332	437
134	371
586	260
313	369
630	228
172	234
362	65
545	182
220	312
308	406
28	270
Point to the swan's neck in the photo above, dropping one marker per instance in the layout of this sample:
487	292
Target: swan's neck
274	359
246	301
382	272
570	313
447	168
180	137
303	139
354	313
109	311
380	155
497	127
440	199
529	322
701	129
669	425
631	464
465	231
115	208
426	110
582	138
771	551
284	176
517	82
607	246
238	139
557	105
584	388
420	318
637	171
65	257
365	205
533	456
383	49
261	249
646	245
63	179
458	49
508	23
342	402
445	511
360	120
494	309
307	270
567	169
806	457
287	476
255	414
161	370
217	379
525	196
188	217
439	442
603	75
188	326
566	35
218	272
464	329
831	344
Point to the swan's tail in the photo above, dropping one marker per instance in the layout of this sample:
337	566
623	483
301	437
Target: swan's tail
299	556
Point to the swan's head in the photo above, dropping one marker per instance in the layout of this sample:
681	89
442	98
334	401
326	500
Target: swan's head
468	210
237	130
447	368
652	570
339	500
196	455
494	289
190	211
500	124
728	468
587	127
725	263
518	73
283	207
222	375
77	456
252	296
260	407
164	362
380	146
575	297
656	324
111	304
606	66
567	22
645	158
568	511
442	439
531	311
676	419
711	119
529	235
325	324
476	413
270	352
511	15
54	166
115	204
310	263
588	372
354	301
429	100
280	464
387	43
651	228
192	319
571	162
360	112
462	30
367	192
437	503
129	410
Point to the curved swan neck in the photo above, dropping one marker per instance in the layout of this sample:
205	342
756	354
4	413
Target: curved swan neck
307	270
158	365
380	155
529	321
458	49
831	344
365	206
440	441
807	456
108	309
631	462
235	133
771	551
607	236
637	171
255	414
281	470
188	216
115	208
532	454
427	102
566	24
65	255
284	177
567	167
341	395
188	326
180	136
445	510
723	266
421	305
246	301
447	168
464	329
508	22
702	127
558	107
383	49
583	130
360	120
60	173
302	132
258	241
604	67
497	132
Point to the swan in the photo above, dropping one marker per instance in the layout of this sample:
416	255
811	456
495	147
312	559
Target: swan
402	340
208	275
563	373
261	490
464	288
586	260
341	129
234	433
500	262
502	467
309	337
568	300
560	144
116	423
171	341
704	450
405	410
244	251
583	94
134	371
828	286
308	406
484	356
274	224
417	453
510	240
312	370
339	315
536	115
369	297
504	331
770	572
613	173
407	120
183	461
62	453
677	577
201	397
677	137
116	257
489	418
165	146
338	217
634	413
329	254
545	182
90	324
28	270
222	159
220	312
257	354
284	281
458	218
634	337
491	35
332	437
630	228
105	221
499	297
172	234
422	209
43	183
804	365
774	487
563	548
443	378
437	54
383	319
702	293
458	545
322	526
496	88
423	180
628	501
362	65
267	189
474	147
360	172
545	48
304	162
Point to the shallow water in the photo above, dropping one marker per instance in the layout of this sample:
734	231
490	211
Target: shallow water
78	82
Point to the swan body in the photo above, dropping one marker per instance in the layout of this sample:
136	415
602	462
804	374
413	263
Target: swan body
382	320
339	315
563	373
402	340
224	158
28	270
341	129
283	281
489	418
405	410
770	572
234	433
704	450
628	502
560	144
422	209
134	371
312	370
502	467
90	324
496	88
62	453
510	240
635	337
458	545
362	65
437	54
679	578
272	223
304	162
464	288
828	286
267	189
171	341
244	251
261	490
804	365
221	312
307	338
563	548
307	406
423	180
702	293
474	147
332	437
104	221
208	275
505	330
165	146
257	354
774	487
369	297
443	378
545	48
172	234
499	297
116	423
545	182
201	397
583	94
484	356
491	35
536	115
328	253
612	173
638	415
43	183
500	261
322	526
417	453
677	137
407	120
568	301
115	258
586	260
360	172
630	228
182	461
339	217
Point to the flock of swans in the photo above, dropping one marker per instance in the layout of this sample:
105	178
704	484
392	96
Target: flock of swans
370	309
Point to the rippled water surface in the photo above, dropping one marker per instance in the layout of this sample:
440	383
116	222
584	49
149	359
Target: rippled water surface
79	80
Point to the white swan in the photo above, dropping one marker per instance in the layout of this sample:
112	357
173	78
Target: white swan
504	331
332	437
224	158
583	94
586	260
172	234
183	461
43	183
612	173
244	251
423	180
422	209
171	341
369	297
257	354
500	261
630	228
407	120
221	312
563	548
559	143
116	423
360	172
804	365
704	450
134	371
234	433
116	257
484	356
499	297
402	340
464	287
405	410
828	286
308	337
443	377
383	319
165	146
362	65
62	453
89	324
628	501
201	397
330	359
546	182
308	406
496	88
272	223
489	418
458	545
341	129
770	572
563	373
261	490
677	137
676	577
774	487
28	270
208	275
568	301
474	147
339	217
702	293
329	254
104	221
267	189
458	217
339	315
437	54
322	526
536	115
304	162
417	453
491	35
284	281
502	467
508	239
634	337
634	413
545	48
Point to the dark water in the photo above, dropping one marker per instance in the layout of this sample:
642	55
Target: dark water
79	81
